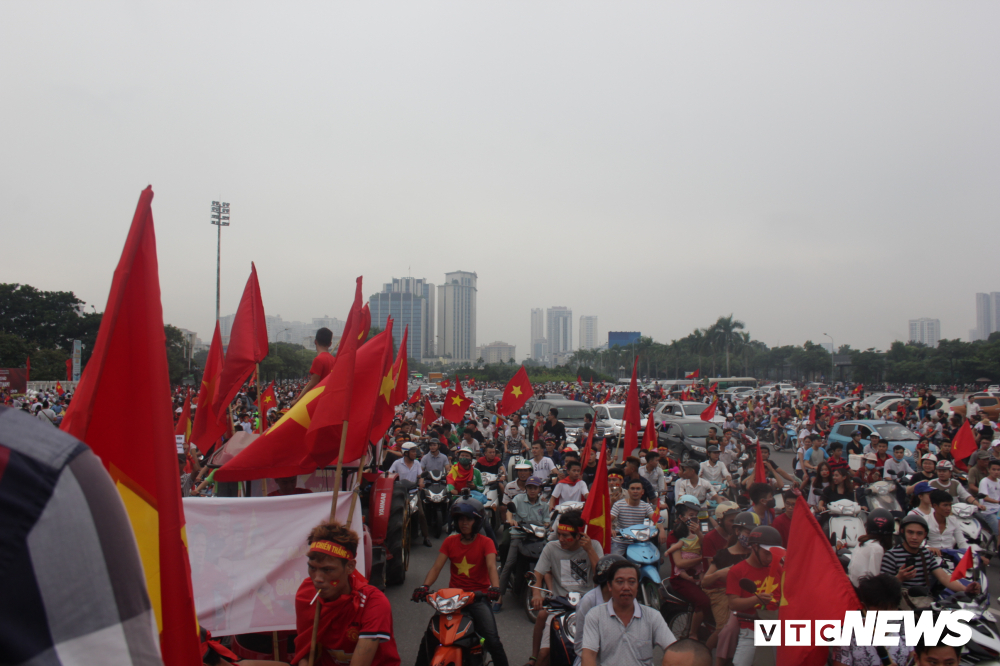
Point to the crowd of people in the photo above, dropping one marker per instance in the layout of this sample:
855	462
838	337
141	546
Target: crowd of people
538	471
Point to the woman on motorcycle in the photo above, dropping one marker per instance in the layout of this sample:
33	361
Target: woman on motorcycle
684	546
841	487
819	483
867	557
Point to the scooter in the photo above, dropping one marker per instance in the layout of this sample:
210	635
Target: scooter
974	531
436	501
882	495
492	504
845	527
562	631
984	646
453	630
529	549
642	551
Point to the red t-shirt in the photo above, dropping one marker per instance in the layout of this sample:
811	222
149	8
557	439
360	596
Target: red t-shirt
712	543
468	563
365	613
761	576
783	524
322	364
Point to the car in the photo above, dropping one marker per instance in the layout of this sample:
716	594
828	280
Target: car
989	405
890	431
843	402
993	387
571	414
677	409
612	415
685	437
875	398
892	404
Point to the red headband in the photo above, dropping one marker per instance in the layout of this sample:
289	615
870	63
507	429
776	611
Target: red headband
332	549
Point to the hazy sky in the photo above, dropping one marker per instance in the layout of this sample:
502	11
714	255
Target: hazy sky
809	167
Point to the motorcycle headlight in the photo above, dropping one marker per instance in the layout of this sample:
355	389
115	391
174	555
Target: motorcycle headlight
641	535
446	604
882	490
569	623
537	530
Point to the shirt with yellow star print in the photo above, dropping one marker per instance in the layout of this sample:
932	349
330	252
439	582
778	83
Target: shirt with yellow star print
468	562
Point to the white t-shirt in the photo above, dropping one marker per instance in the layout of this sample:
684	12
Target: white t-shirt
867	559
990	488
564	492
542	468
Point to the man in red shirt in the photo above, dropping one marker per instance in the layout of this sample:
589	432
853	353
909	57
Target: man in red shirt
355	620
718	539
783	523
322	364
764	570
473	559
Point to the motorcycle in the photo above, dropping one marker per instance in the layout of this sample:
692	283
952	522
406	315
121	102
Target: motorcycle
845	527
529	549
642	551
454	630
984	647
677	612
562	631
436	502
882	495
492	503
974	531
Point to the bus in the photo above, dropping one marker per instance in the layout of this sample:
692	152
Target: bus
732	382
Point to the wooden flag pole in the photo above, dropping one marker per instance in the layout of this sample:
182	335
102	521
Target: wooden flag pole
356	490
274	642
260	401
333	516
338	476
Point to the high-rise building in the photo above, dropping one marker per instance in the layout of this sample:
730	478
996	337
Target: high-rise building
926	331
985	321
410	302
588	332
456	323
995	307
559	325
539	345
495	352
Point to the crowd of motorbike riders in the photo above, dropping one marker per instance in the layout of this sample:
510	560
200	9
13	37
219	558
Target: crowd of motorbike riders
509	497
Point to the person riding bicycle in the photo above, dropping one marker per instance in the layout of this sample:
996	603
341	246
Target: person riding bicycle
473	559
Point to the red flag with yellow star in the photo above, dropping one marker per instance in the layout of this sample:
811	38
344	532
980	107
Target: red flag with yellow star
632	418
649	438
597	510
308	435
429	416
268	401
136	445
455	406
516	393
207	429
392	391
247	346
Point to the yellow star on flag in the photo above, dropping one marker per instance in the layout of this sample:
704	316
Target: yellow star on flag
267	398
598	521
456	400
387	385
464	567
516	391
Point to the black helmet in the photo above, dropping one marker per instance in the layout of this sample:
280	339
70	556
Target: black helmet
469	508
601	570
910	518
766	537
880	523
747	519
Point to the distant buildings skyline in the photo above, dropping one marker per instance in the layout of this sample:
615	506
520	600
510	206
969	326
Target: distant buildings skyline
588	332
987	315
926	331
456	324
410	303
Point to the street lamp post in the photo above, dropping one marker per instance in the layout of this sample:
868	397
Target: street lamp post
220	218
833	350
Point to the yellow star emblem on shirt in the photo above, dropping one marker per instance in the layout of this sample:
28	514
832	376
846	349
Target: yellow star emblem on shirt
516	391
456	400
464	567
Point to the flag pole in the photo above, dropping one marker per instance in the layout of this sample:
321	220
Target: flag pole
260	401
338	476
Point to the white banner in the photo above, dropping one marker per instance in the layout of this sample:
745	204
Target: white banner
248	556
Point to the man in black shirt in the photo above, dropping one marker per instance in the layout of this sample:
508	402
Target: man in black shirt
554	426
855	446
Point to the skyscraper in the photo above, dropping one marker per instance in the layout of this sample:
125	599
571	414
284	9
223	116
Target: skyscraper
985	321
410	302
588	332
457	316
926	331
539	345
559	333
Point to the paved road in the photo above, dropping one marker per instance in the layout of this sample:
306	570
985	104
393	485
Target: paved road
410	619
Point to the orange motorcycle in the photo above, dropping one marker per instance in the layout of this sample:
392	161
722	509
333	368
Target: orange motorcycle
454	630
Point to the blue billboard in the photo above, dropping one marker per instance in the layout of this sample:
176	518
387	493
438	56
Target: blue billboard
622	338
